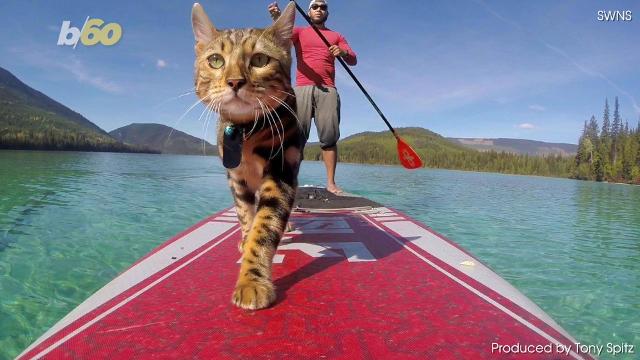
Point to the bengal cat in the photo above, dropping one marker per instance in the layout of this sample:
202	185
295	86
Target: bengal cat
245	76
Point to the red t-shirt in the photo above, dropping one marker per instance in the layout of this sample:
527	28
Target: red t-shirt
316	65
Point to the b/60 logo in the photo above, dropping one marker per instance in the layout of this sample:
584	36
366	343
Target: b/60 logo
93	31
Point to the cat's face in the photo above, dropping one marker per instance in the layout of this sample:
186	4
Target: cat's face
244	73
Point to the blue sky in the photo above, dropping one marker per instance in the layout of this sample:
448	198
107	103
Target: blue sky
462	68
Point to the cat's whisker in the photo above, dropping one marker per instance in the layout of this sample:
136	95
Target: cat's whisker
286	106
215	101
206	108
206	129
288	93
273	111
212	107
216	110
193	91
183	115
204	141
255	123
281	102
266	117
205	113
185	94
273	138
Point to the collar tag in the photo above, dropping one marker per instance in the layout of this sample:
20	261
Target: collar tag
232	147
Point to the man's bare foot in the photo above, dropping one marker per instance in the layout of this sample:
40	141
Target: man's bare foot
334	189
289	227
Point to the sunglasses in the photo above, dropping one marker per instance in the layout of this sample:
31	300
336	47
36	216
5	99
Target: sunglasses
316	7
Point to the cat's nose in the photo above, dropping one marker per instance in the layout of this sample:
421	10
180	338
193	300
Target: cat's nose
236	84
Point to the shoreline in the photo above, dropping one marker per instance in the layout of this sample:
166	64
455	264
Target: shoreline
343	162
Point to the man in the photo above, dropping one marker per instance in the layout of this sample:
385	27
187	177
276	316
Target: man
316	94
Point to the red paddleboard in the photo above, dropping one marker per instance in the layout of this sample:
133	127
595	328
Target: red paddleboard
354	280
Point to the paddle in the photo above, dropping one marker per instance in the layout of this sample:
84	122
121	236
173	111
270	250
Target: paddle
407	156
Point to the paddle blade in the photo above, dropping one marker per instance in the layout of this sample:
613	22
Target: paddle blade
408	157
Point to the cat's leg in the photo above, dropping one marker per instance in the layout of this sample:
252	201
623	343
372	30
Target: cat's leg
245	201
254	289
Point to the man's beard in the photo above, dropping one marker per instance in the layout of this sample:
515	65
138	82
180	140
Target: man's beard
319	21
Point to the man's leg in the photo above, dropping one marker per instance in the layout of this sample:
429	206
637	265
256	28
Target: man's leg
330	158
327	115
304	104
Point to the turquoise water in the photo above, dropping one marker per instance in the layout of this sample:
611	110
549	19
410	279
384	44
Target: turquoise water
70	222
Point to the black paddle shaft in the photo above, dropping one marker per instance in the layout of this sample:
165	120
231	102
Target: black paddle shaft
344	65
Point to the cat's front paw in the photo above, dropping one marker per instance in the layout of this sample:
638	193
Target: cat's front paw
253	295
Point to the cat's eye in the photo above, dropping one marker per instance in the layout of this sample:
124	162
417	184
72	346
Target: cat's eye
259	60
216	61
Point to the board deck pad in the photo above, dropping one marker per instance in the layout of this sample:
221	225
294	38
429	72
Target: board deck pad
315	198
357	281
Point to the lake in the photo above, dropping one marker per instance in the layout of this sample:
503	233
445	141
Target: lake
70	222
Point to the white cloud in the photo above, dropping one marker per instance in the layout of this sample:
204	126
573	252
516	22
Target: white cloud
535	107
571	59
81	74
71	65
161	64
526	126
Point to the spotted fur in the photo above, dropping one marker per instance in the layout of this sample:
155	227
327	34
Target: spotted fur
257	98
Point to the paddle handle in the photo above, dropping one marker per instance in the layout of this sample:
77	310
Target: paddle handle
344	65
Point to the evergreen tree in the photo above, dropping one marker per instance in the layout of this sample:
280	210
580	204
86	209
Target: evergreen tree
637	177
617	121
592	130
604	146
616	143
611	155
629	151
597	168
606	123
588	150
582	156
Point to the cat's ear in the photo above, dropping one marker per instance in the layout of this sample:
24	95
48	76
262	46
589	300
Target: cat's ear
203	28
283	27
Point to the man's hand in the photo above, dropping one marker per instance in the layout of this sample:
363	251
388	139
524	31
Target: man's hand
336	51
274	10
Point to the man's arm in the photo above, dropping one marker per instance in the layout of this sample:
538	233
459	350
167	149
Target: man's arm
348	55
275	12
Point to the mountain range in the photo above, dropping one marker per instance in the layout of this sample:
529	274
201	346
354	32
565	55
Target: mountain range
439	152
518	146
30	119
163	139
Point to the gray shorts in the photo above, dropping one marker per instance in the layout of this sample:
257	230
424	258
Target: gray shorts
322	104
